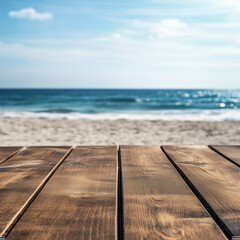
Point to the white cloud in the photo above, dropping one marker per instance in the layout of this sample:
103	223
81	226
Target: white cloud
167	27
30	13
172	29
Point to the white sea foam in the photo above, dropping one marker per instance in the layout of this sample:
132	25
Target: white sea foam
182	115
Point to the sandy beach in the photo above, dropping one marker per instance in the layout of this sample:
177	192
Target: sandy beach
85	132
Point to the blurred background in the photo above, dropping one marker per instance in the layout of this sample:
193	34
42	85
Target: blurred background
119	72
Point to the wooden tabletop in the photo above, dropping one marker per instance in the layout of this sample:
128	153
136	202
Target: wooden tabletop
130	192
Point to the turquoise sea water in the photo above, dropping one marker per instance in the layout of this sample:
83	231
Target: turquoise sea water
95	104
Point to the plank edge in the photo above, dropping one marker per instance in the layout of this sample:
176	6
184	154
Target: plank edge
213	147
22	210
12	154
226	231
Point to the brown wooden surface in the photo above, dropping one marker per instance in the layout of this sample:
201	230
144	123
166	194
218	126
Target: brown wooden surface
216	179
158	204
78	202
6	152
21	176
230	152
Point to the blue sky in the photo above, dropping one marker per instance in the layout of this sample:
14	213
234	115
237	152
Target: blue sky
120	44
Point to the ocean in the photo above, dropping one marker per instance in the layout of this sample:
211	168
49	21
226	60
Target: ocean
107	104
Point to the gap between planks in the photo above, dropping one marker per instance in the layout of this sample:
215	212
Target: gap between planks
205	204
223	155
120	212
19	214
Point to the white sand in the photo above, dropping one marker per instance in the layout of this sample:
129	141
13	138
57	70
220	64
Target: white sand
83	132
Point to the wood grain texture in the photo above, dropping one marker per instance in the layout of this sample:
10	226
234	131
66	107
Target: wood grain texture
216	179
158	204
7	152
21	176
79	201
230	152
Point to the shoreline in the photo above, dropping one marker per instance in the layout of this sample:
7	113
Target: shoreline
163	115
115	132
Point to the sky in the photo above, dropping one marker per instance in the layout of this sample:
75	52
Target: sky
120	44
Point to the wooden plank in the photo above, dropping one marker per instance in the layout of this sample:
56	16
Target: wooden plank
20	179
7	152
79	202
232	153
158	204
215	180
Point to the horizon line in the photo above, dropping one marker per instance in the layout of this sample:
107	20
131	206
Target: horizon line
68	88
